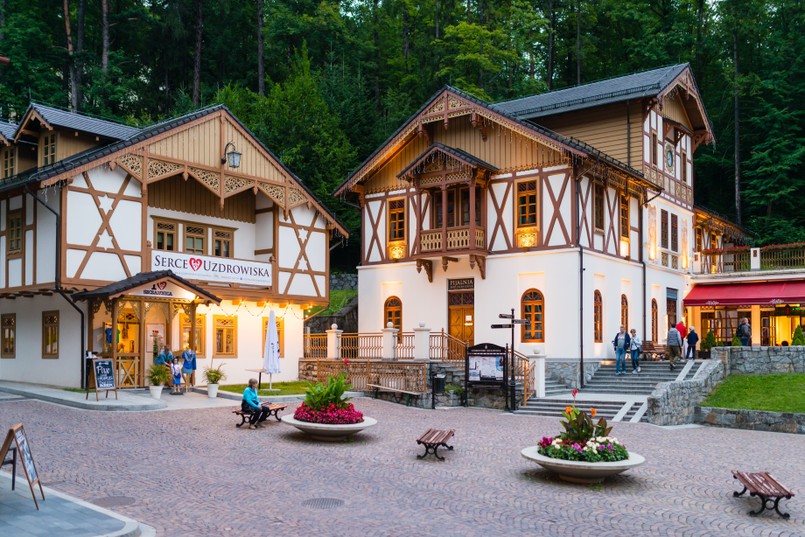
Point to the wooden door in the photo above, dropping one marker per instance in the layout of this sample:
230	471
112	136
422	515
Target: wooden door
462	323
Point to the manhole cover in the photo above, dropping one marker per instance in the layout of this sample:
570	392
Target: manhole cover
323	503
113	501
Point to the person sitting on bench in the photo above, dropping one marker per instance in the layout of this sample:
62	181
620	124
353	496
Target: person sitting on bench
251	403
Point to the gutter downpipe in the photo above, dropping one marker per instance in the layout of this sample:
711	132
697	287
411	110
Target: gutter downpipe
59	289
581	280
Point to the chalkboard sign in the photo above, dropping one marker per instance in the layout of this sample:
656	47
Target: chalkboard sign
103	376
17	435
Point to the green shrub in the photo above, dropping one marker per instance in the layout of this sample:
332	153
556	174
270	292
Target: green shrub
214	375
158	375
736	341
454	388
799	337
709	341
320	395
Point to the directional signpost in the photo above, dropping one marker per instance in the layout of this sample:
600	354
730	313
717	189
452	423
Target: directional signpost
508	365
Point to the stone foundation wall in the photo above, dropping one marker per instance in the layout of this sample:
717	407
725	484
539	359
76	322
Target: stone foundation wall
673	403
566	371
761	360
343	281
753	420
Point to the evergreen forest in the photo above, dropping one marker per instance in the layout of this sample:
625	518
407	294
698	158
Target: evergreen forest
322	83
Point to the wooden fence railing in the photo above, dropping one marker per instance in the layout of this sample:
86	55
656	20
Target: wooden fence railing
524	373
356	345
447	348
360	373
315	346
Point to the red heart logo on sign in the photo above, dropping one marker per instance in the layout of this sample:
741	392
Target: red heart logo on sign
161	285
195	263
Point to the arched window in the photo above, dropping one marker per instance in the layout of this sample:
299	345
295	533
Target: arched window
654	319
392	313
598	315
533	310
625	312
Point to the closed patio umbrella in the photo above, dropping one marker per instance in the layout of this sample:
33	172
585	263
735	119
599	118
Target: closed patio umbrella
271	353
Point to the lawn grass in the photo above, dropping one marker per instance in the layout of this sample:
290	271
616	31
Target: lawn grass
296	387
338	299
775	393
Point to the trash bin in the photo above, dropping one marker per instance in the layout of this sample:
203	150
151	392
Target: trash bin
438	383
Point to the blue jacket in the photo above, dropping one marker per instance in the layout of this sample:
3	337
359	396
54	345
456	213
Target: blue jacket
250	397
626	342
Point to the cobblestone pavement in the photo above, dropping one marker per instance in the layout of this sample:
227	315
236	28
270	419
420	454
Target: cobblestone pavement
192	473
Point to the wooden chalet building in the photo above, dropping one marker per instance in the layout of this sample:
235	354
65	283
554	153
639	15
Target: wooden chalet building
116	239
573	207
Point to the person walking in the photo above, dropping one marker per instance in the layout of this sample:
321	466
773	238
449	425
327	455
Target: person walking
674	342
634	348
683	333
692	339
745	332
621	344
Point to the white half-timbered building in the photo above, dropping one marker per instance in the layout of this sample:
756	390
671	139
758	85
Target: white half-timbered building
187	233
574	207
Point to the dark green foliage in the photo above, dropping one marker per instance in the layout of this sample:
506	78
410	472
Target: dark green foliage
319	396
798	338
708	342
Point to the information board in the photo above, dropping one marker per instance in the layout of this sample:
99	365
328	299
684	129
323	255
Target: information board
103	377
17	435
485	364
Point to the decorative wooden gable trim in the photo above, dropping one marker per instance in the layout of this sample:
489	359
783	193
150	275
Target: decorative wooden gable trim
685	87
32	115
450	163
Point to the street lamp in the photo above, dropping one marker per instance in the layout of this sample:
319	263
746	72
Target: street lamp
231	157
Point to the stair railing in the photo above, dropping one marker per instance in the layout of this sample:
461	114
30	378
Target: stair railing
525	374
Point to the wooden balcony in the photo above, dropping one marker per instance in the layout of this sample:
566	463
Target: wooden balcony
454	239
745	259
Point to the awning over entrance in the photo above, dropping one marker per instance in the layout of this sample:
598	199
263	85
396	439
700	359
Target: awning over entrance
766	293
159	284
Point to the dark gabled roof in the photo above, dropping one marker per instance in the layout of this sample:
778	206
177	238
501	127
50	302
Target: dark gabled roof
143	278
56	117
613	90
455	152
7	130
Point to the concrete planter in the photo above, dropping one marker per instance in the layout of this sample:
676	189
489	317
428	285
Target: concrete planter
579	471
156	391
328	432
212	391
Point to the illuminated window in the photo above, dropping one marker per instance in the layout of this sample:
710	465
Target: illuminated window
698	247
397	220
8	336
49	149
280	333
527	203
392	313
598	208
184	326
533	310
222	242
625	311
664	229
624	217
654	148
684	167
8	161
226	336
165	235
14	233
50	334
674	233
194	239
598	316
654	319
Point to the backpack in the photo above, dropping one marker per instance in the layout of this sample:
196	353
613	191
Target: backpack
745	330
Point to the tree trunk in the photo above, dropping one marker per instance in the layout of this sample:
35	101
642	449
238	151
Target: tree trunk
406	34
70	57
578	42
376	52
551	30
261	74
197	56
737	131
699	31
79	50
105	36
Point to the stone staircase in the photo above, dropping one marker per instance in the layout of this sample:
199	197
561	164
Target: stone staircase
615	397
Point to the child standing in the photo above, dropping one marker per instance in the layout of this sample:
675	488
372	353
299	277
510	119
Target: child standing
176	369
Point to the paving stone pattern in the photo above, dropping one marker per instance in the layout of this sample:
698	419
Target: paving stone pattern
193	473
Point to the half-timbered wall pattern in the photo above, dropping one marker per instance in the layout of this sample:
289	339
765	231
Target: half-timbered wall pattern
301	269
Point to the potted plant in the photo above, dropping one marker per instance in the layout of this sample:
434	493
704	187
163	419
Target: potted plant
584	452
326	413
454	391
213	376
707	344
158	375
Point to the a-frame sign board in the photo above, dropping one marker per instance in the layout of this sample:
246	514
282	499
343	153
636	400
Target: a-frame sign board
17	435
102	377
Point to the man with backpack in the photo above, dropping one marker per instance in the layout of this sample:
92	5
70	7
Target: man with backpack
674	343
745	332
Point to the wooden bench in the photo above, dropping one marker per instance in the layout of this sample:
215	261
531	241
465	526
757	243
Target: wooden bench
654	352
765	487
398	394
273	408
432	439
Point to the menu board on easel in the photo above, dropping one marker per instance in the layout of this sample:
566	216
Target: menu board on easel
103	377
17	435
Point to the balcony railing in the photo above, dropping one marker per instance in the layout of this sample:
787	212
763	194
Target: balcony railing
744	259
453	239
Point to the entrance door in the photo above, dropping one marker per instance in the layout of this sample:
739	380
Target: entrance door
462	316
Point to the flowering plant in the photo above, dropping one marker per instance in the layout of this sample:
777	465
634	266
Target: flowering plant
583	440
325	403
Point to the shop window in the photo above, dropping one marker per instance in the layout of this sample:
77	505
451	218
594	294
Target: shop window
165	235
48	149
396	220
226	336
533	310
625	312
698	246
527	203
655	314
674	233
50	334
664	229
222	242
625	217
8	336
598	316
184	326
598	208
194	239
14	233
392	313
9	161
280	333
